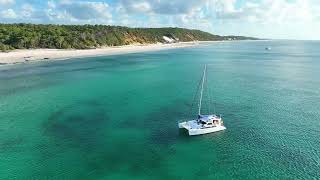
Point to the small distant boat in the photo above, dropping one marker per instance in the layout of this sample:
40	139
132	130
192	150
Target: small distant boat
204	124
268	48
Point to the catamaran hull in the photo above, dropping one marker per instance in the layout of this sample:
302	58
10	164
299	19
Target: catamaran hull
200	131
193	132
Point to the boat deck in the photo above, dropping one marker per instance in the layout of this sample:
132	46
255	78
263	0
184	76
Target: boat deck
193	124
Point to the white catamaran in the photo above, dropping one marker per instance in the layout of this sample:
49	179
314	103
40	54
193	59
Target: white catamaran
204	124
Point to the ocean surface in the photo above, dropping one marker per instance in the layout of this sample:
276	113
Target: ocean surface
116	117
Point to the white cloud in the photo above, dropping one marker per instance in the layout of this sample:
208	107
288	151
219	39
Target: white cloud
68	12
159	13
8	14
264	11
267	11
164	7
271	19
220	16
6	2
27	10
144	7
85	10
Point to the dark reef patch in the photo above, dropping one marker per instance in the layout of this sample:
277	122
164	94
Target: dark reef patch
82	124
25	87
10	144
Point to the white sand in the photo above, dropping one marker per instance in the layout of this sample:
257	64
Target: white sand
22	56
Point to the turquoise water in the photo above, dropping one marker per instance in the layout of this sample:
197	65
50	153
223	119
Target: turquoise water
116	117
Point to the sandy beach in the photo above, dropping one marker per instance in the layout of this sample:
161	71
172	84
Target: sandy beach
34	55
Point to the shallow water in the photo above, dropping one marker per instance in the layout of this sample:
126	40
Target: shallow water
116	117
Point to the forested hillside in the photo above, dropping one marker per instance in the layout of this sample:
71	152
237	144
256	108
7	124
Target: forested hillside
29	36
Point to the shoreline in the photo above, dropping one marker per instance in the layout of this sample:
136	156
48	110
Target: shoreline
47	55
21	56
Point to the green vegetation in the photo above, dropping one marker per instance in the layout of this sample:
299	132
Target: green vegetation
28	36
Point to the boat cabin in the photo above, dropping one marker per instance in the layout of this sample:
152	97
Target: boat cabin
209	120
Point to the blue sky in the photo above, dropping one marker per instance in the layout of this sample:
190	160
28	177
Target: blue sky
280	19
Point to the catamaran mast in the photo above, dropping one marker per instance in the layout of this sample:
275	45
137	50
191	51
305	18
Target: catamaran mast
201	92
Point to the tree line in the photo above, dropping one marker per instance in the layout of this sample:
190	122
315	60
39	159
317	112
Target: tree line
30	36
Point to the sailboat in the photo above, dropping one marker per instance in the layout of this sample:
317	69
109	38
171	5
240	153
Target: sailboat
203	124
